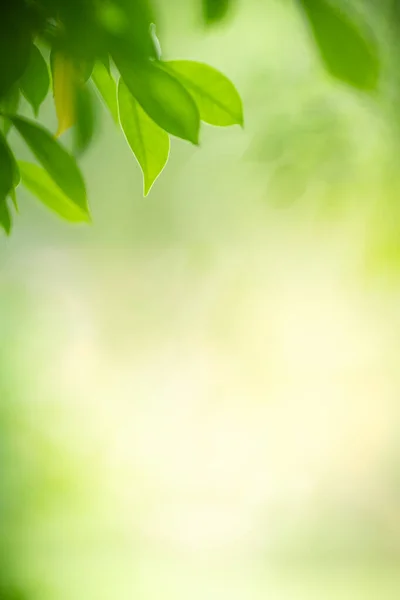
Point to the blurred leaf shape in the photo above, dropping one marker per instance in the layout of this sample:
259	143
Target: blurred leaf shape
156	41
85	118
35	81
106	87
216	97
16	182
149	143
38	181
9	105
6	183
13	196
15	43
348	54
139	15
163	97
215	10
58	163
64	89
5	217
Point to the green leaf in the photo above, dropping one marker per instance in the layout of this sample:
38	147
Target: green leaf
35	82
84	118
15	43
156	41
162	97
216	97
5	217
86	69
16	173
38	181
105	61
348	54
149	143
59	164
107	88
13	196
138	17
65	79
215	10
9	106
7	171
16	182
7	175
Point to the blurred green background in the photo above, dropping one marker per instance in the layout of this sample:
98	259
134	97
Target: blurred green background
199	392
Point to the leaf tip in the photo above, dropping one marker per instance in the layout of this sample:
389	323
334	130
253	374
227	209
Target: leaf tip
87	218
148	186
195	139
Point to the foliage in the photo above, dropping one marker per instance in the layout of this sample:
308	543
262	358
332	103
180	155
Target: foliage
73	47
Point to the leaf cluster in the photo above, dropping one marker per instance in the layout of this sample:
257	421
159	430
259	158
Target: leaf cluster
84	51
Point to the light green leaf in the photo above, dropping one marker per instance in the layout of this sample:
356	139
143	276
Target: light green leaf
35	82
348	54
65	79
59	164
217	98
106	87
38	181
156	41
162	97
149	143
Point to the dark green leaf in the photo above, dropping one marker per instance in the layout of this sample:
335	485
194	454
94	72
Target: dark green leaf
13	196
59	164
347	52
105	61
35	81
215	10
85	121
5	217
81	36
7	170
137	36
16	182
38	181
15	43
7	176
216	97
107	88
16	173
149	143
162	97
86	69
9	106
